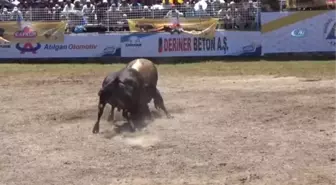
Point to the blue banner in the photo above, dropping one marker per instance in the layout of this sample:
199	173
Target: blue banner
225	43
295	32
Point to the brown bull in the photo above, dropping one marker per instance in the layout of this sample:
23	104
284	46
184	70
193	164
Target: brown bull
150	75
126	91
147	69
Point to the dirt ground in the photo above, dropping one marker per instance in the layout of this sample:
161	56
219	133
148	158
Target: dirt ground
225	130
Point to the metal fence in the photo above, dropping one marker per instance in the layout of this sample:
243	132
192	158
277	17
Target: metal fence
238	16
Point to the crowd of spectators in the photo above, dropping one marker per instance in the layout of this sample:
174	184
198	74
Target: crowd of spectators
233	14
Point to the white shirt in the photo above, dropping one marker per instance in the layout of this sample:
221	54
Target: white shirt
68	8
88	10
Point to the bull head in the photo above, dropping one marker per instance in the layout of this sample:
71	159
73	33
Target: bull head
125	89
109	90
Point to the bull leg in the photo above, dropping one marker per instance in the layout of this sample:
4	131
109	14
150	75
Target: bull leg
125	114
111	115
101	107
147	113
129	119
158	102
119	109
131	122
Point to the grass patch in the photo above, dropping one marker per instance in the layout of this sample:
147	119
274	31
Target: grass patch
321	69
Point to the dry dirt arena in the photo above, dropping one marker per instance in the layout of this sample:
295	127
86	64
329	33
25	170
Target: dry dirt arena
225	130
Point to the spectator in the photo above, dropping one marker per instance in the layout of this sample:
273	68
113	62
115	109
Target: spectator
26	10
216	6
189	11
53	13
47	14
89	11
124	7
78	7
173	12
271	5
5	15
16	14
122	23
234	15
223	14
135	5
102	7
56	12
114	15
135	10
69	7
200	9
146	13
157	6
83	2
237	14
61	4
252	14
222	10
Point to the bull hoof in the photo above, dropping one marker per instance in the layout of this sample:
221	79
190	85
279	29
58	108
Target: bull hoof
170	116
95	129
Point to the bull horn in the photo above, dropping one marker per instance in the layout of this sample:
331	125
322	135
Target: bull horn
100	92
116	81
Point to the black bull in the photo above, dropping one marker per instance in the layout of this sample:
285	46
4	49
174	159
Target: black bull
130	89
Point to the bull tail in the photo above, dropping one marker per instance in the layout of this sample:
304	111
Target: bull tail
158	102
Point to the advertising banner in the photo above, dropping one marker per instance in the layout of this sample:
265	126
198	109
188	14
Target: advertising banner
74	46
168	25
22	31
209	32
225	43
295	32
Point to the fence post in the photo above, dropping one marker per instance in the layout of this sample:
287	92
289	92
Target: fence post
258	16
30	14
108	18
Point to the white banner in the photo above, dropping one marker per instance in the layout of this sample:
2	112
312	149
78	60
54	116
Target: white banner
74	46
294	32
226	43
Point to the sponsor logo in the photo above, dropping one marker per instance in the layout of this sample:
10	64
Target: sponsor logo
28	48
26	32
329	32
179	44
133	41
298	33
249	48
109	50
4	45
58	47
